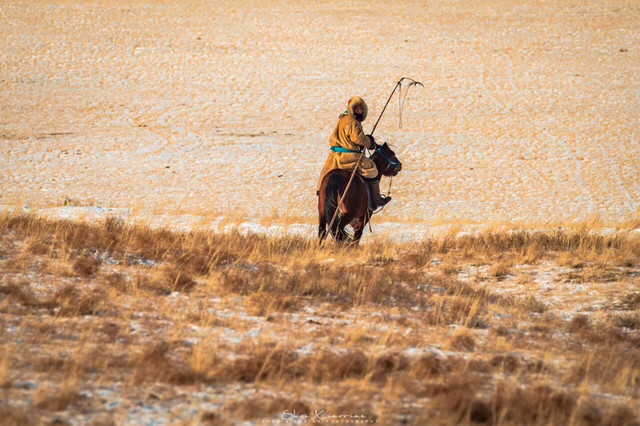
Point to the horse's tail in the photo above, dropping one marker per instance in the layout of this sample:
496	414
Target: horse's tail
331	201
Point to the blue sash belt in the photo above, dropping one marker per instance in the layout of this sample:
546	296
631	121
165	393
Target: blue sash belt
341	149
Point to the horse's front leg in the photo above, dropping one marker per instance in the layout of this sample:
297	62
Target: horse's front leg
340	235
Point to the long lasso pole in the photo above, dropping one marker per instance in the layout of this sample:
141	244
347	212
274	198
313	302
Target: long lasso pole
398	84
355	169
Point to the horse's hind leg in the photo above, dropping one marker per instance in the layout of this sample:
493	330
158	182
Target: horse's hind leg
322	233
322	229
322	222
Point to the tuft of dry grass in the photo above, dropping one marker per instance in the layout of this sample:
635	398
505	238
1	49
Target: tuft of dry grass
5	367
629	302
13	415
534	252
570	259
463	341
630	321
56	400
540	403
532	304
67	300
501	269
85	266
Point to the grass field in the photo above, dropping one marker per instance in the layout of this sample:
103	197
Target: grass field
111	323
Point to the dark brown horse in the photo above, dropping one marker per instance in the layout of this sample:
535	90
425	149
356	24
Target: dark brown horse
355	209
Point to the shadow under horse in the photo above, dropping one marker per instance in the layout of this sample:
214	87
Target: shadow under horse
354	209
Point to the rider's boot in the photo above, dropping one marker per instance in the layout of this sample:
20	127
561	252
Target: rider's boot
378	199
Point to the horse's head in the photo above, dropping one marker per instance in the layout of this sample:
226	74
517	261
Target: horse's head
386	160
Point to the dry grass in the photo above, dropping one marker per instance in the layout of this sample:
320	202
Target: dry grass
398	333
501	269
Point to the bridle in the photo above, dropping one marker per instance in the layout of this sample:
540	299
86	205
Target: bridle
390	162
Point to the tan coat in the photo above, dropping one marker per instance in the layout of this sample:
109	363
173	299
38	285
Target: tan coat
349	134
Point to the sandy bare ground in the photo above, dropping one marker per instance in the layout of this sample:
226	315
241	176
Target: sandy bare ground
530	112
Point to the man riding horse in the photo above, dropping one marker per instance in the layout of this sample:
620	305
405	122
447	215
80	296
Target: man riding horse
347	141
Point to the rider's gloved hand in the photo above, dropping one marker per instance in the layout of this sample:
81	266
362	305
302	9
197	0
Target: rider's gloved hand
374	145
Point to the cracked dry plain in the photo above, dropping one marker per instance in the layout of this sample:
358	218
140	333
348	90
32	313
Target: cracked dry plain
100	326
530	111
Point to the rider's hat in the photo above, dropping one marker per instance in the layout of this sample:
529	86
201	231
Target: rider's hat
355	101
